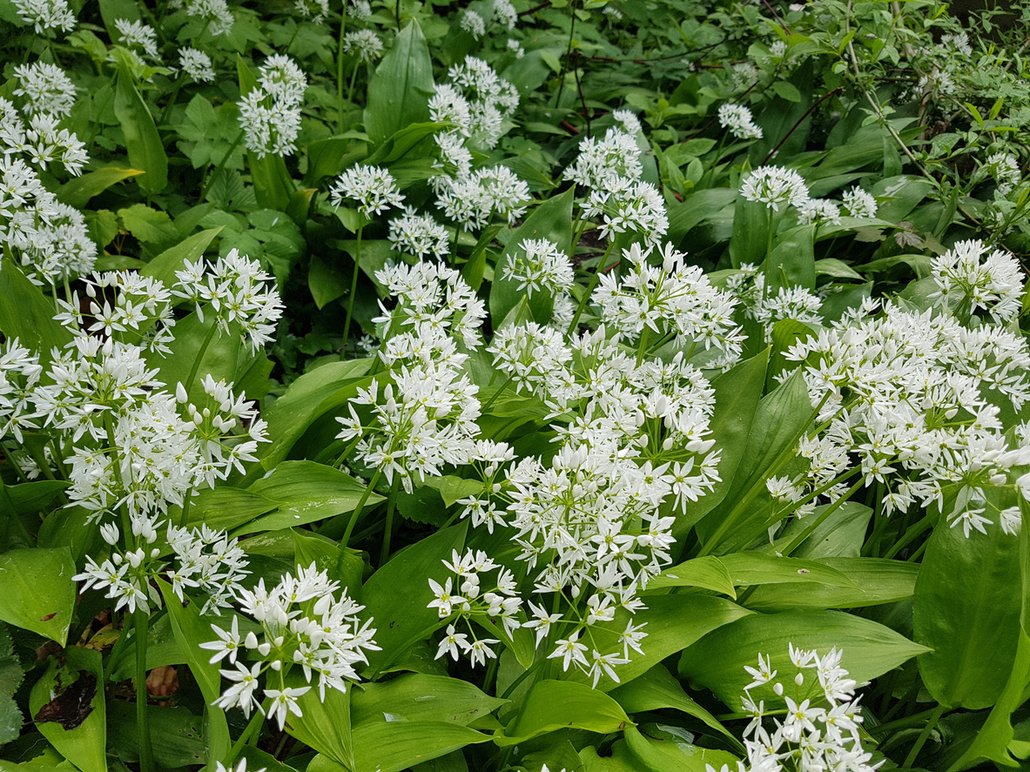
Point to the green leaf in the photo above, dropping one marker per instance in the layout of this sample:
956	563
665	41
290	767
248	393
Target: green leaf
664	755
553	705
325	725
150	226
751	224
142	141
310	396
177	735
792	260
402	618
392	747
657	690
27	315
37	592
85	745
164	266
748	569
418	697
708	573
965	606
787	90
550	220
717	661
400	88
78	191
871	582
305	492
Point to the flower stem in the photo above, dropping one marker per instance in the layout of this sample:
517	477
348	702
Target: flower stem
931	722
339	68
200	357
141	625
221	165
590	288
353	288
391	504
357	510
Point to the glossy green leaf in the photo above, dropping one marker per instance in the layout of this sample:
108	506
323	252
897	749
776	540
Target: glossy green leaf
657	690
79	190
664	755
717	661
27	315
748	569
37	592
400	88
870	582
419	697
85	745
163	266
325	725
392	747
553	705
142	141
708	573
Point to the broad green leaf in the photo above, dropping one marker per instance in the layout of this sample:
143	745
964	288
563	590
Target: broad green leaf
325	725
664	755
418	697
27	315
402	617
551	220
400	88
839	536
163	266
792	260
752	222
392	747
305	492
37	592
310	396
871	582
748	569
227	508
708	573
85	745
79	190
717	661
737	396
142	141
553	705
656	690
965	606
177	735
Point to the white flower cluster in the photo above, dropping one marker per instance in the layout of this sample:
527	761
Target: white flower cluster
196	64
778	188
422	413
971	278
670	301
475	199
476	101
821	725
206	560
738	120
538	265
373	187
767	308
418	235
216	15
911	395
315	10
270	112
135	35
363	43
236	292
1004	168
45	14
464	597
476	22
304	621
19	373
610	170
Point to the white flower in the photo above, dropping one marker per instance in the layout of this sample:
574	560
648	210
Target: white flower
373	187
538	264
418	235
136	34
775	186
474	200
859	203
270	113
970	278
46	88
284	702
196	64
739	121
363	43
46	14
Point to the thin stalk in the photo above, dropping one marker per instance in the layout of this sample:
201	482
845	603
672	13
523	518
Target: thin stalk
244	739
931	722
913	532
200	357
171	100
350	88
568	52
798	540
141	625
590	288
353	288
486	405
391	504
221	164
357	510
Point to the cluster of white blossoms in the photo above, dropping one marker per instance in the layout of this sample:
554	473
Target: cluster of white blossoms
45	15
138	37
418	235
670	301
372	187
315	10
971	277
270	112
501	12
813	720
779	188
476	199
420	415
767	308
236	292
537	265
738	120
47	237
364	44
305	622
215	14
196	65
611	173
476	101
911	397
1004	168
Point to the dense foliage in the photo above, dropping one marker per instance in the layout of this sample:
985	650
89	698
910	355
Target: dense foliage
581	385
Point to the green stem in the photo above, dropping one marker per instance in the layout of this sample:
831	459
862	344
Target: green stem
486	405
200	357
244	739
339	67
913	531
350	86
171	101
357	510
391	503
141	624
353	288
601	265
221	164
798	540
931	722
